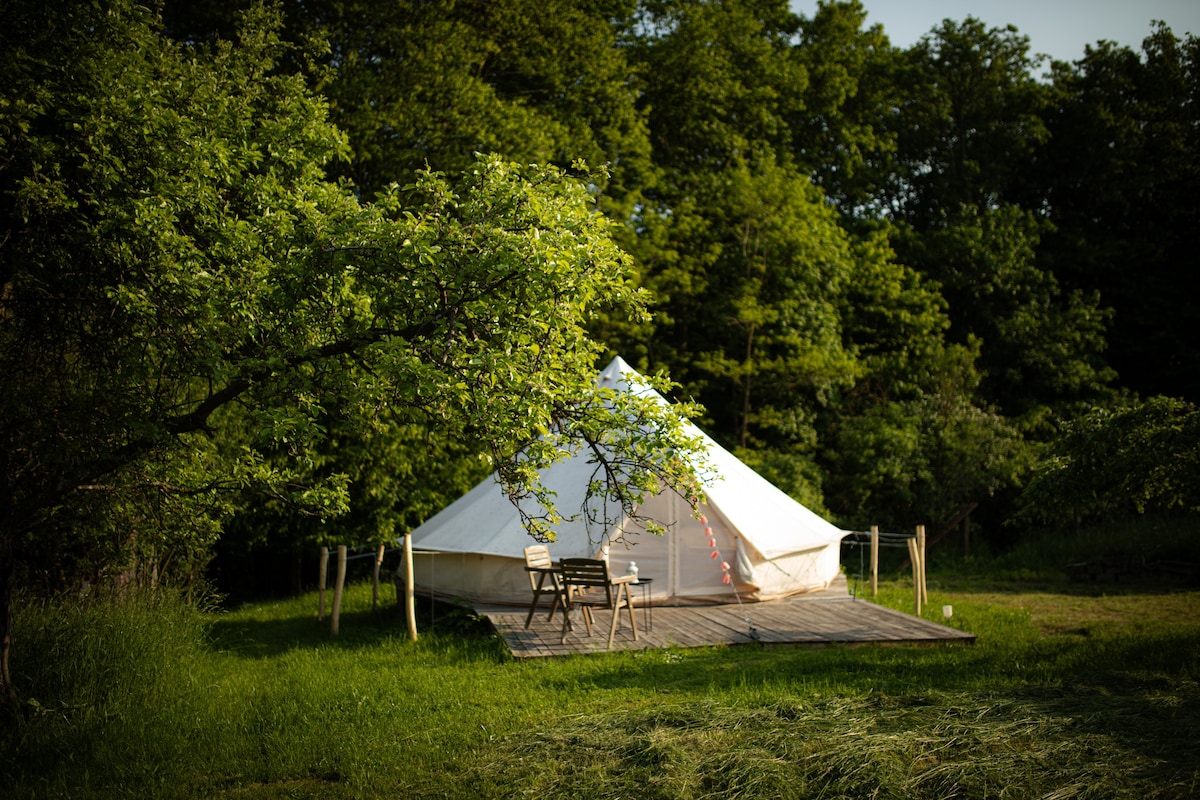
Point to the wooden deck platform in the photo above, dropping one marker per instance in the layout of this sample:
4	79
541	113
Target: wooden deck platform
813	620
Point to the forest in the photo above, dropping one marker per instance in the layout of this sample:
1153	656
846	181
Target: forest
301	273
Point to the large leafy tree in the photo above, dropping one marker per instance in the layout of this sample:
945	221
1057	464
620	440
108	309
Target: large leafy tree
175	260
415	85
1041	347
971	122
844	129
972	139
717	235
1121	181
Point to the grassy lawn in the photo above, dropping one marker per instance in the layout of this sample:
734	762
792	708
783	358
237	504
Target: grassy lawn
1072	691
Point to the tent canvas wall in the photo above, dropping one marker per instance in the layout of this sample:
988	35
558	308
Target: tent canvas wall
474	548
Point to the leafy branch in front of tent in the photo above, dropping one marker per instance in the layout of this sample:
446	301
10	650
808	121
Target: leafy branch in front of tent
637	446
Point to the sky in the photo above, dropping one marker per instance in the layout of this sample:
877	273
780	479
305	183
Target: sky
1059	28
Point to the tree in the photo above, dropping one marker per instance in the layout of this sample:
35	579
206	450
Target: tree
175	260
1121	183
418	85
844	129
741	253
972	141
922	455
912	441
719	79
1042	349
971	125
759	318
1115	462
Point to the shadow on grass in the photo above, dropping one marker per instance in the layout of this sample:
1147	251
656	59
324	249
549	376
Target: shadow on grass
252	638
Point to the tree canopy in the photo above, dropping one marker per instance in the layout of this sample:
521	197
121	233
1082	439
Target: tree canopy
187	292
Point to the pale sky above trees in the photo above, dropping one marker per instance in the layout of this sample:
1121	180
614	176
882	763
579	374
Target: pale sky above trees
1060	28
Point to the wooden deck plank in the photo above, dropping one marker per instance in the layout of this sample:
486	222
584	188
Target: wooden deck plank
805	620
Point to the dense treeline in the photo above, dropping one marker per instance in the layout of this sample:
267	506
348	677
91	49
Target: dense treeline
891	277
888	275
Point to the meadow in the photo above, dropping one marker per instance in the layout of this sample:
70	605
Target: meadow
1073	690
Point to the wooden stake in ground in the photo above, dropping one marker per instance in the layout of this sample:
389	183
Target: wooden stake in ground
322	580
921	552
410	606
375	578
338	585
874	560
915	558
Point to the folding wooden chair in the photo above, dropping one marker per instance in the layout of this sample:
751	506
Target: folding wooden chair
587	584
540	567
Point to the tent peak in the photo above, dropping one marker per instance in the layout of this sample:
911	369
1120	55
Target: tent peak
617	374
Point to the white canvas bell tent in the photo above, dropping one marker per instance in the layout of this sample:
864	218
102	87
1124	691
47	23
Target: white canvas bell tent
774	547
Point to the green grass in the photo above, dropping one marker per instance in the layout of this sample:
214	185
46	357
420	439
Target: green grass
1072	691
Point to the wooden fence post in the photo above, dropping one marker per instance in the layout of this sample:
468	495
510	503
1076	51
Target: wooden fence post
410	606
375	579
874	560
915	558
337	589
921	552
322	580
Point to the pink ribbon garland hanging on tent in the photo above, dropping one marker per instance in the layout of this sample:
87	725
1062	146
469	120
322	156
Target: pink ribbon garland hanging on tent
716	552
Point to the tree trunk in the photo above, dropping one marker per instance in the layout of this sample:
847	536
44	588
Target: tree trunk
8	693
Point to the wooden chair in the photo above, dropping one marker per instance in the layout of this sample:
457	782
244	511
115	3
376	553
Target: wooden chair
539	567
587	584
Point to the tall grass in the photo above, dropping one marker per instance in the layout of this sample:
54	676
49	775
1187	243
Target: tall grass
105	682
1067	694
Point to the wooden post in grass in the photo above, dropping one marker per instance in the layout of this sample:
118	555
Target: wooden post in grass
921	552
874	560
337	590
915	557
375	578
410	605
322	580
